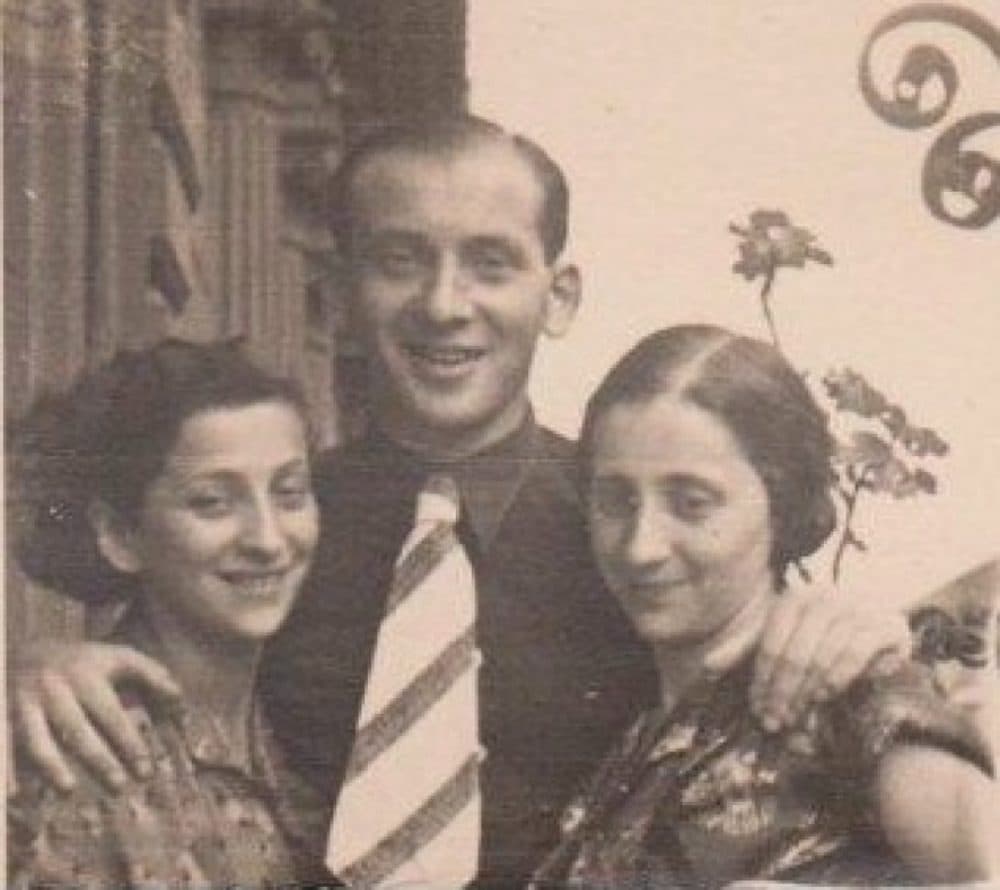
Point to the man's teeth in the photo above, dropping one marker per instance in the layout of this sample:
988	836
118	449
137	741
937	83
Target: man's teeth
446	355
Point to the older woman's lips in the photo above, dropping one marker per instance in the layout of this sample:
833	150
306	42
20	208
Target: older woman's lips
653	593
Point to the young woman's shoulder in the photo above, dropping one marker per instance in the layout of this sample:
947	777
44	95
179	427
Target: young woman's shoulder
93	836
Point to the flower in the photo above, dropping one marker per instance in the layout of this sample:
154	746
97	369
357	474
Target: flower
772	241
851	392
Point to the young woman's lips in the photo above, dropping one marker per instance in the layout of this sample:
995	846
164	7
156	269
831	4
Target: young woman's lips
257	585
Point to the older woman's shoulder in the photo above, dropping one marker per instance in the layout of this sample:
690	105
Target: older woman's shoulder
904	704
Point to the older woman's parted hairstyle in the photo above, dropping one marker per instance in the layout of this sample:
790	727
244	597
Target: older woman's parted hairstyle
749	386
107	439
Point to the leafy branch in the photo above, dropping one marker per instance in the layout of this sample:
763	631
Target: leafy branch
877	459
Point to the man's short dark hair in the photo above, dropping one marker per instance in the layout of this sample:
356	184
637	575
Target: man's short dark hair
441	136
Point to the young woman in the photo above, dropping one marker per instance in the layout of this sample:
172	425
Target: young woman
706	466
177	479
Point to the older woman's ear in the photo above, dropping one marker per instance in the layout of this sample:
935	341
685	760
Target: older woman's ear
114	537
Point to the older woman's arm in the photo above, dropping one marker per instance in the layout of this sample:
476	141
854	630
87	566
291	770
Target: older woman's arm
940	813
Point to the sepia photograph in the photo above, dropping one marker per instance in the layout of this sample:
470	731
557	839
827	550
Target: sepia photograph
514	445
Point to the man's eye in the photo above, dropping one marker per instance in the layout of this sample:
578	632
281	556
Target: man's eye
492	265
396	262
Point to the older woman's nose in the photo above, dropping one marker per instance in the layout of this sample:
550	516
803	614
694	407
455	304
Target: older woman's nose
649	539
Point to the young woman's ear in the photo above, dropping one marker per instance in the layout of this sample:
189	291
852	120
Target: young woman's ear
115	538
564	297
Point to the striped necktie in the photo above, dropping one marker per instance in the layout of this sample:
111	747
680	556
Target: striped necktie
409	808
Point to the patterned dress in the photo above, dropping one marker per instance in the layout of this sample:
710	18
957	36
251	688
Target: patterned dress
703	796
206	818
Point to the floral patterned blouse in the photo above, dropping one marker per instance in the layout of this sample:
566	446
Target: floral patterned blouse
204	819
703	796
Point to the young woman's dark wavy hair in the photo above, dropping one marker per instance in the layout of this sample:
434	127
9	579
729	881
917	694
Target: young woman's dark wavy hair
107	438
749	386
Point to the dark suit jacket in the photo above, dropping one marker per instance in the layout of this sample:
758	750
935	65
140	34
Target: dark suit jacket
562	671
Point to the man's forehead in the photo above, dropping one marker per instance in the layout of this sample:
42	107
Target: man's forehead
485	173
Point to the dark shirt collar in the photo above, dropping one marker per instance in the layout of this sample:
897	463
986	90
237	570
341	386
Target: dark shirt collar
488	481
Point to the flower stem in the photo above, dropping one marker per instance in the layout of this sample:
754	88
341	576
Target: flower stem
765	304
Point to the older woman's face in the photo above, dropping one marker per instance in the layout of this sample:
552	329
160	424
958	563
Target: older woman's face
227	530
679	519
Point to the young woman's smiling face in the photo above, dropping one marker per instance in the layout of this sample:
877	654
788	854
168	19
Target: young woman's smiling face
679	519
227	530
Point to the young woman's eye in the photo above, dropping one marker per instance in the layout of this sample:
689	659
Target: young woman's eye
293	495
692	505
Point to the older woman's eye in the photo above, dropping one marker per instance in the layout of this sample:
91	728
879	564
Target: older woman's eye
692	504
612	499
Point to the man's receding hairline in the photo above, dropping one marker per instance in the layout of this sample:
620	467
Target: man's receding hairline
446	153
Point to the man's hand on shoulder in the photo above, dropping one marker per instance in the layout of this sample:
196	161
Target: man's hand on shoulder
814	644
64	702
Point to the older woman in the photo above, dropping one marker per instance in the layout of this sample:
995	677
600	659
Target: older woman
706	466
177	479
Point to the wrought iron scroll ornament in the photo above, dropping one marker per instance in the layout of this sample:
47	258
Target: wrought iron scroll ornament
947	167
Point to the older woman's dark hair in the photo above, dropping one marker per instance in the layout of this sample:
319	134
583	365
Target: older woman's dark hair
764	403
107	438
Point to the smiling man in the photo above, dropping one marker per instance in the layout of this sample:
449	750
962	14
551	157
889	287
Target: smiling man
453	283
454	240
453	233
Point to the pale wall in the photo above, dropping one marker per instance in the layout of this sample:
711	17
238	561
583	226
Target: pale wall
674	119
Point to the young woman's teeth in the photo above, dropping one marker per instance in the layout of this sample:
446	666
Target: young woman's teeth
256	586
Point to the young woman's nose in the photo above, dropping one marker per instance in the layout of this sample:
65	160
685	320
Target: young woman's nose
263	536
445	298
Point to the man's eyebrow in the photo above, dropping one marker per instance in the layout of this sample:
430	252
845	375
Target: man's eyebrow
500	242
391	234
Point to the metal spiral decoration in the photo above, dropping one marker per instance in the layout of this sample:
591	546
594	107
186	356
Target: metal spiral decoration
947	167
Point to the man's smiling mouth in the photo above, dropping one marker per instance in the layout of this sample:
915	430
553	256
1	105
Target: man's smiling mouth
444	356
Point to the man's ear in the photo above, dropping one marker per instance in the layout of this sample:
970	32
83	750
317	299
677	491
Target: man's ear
564	297
115	538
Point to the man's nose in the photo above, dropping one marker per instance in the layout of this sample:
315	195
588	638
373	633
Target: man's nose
445	298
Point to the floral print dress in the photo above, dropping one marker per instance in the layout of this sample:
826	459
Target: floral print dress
208	817
703	796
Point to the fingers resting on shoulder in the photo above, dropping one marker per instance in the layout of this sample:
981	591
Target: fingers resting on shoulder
65	706
814	645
